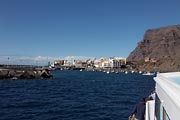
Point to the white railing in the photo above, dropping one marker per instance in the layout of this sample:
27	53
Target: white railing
172	89
169	93
150	107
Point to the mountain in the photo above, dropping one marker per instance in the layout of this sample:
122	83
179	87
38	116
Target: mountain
162	46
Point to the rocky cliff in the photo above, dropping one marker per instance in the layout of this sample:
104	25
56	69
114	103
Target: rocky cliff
162	45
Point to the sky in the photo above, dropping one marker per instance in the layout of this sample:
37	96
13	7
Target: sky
95	28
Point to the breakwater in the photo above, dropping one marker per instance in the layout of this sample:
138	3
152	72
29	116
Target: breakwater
23	72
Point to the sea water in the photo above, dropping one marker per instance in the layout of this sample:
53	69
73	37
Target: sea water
73	95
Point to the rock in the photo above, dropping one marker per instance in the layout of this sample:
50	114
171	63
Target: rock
11	73
45	74
4	74
21	74
27	75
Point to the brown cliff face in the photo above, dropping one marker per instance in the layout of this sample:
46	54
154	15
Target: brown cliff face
163	44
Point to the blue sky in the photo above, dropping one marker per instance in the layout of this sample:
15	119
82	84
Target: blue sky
96	28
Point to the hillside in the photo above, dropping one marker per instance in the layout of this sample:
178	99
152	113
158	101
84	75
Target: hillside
160	48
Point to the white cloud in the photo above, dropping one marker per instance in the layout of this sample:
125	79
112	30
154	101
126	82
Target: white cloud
36	60
26	60
78	58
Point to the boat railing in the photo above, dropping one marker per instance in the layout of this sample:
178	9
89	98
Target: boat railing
150	109
168	92
171	88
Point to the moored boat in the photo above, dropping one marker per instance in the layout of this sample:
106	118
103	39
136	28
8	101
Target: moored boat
148	73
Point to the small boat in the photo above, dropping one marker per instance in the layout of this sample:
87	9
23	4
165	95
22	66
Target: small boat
107	72
14	78
148	73
126	72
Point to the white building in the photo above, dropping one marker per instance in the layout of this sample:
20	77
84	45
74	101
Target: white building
111	63
69	62
116	63
107	64
121	59
97	63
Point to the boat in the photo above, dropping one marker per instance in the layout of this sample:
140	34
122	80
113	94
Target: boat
148	73
107	72
165	104
14	78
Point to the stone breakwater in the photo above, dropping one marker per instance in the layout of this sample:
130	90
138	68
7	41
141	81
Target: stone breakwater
24	74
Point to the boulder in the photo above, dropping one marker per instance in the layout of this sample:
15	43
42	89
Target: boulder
4	74
27	75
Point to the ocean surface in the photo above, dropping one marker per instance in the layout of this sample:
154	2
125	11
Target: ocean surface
73	95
